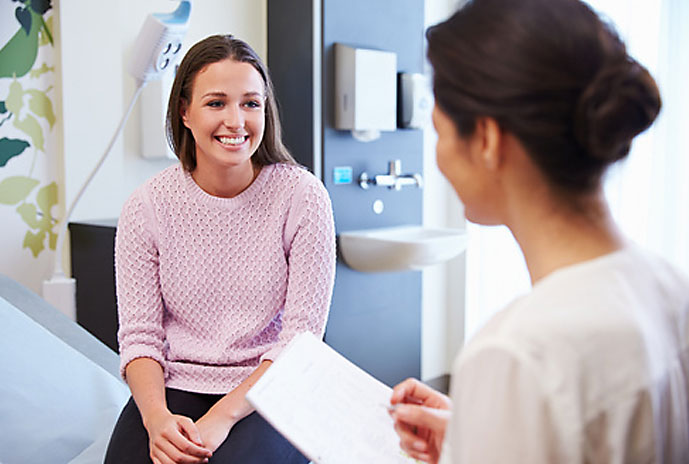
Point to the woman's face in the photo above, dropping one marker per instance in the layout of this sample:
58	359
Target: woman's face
460	160
226	114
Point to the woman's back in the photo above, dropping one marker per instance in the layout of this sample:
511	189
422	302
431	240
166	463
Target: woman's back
535	100
592	366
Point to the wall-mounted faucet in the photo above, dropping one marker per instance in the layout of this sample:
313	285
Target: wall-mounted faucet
393	180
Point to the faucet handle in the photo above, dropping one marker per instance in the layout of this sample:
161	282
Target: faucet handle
365	181
395	168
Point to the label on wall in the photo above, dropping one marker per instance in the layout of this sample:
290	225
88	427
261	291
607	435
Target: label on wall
342	175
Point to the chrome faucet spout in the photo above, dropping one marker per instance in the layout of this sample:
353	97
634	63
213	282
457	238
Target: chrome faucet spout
393	180
410	180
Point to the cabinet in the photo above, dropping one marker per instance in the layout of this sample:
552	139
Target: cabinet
93	266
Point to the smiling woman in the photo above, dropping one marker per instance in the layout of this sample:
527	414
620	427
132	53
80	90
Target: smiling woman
226	118
221	260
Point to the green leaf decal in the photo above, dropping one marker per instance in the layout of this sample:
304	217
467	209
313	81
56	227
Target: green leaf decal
41	105
27	211
47	198
24	17
16	188
15	97
34	242
52	239
40	221
46	37
9	148
38	72
19	53
30	126
41	6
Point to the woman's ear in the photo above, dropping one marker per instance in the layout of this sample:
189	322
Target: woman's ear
488	137
183	113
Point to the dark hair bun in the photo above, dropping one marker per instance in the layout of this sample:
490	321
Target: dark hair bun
620	102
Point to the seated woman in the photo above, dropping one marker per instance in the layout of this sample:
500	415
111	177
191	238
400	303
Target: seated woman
221	260
535	99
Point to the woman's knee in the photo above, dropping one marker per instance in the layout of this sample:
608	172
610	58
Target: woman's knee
129	439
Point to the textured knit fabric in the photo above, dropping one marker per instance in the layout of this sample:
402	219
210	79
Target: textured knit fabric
591	367
209	287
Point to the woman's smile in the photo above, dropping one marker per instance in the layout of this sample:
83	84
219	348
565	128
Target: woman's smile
232	141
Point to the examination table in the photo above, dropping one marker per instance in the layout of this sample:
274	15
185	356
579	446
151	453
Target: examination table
60	390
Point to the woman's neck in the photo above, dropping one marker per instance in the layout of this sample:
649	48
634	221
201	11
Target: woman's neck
554	235
225	183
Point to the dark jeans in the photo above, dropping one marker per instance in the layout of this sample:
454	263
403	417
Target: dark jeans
251	441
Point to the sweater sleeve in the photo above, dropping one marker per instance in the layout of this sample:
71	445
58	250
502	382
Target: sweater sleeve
310	247
139	299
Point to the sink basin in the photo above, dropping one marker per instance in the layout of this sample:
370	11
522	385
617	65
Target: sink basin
400	248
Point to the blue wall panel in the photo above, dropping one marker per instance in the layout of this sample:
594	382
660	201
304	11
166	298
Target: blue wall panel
375	318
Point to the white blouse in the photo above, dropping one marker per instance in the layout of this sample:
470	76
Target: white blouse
591	367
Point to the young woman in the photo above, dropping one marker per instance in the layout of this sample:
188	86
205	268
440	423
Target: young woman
535	99
220	261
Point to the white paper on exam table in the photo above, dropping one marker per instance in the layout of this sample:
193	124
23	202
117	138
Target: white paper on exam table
327	407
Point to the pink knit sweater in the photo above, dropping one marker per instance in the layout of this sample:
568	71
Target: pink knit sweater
209	287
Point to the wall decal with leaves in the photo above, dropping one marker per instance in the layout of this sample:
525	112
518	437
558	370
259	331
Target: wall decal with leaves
26	118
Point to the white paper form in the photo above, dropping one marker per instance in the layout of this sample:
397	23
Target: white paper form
327	407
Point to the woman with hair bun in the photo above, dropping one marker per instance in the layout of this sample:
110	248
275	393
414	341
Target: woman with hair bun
535	99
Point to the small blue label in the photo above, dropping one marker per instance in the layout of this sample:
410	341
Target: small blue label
342	175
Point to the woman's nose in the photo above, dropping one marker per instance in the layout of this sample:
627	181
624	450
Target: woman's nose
233	117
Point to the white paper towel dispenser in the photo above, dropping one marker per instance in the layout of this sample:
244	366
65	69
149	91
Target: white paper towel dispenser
365	91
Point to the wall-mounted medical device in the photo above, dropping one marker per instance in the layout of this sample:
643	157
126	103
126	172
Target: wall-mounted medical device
156	53
159	42
365	91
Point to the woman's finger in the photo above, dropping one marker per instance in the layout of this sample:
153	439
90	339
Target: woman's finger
409	436
409	388
176	444
158	456
180	451
413	391
419	455
422	417
193	436
186	450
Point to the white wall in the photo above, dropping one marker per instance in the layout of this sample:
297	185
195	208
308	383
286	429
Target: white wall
442	325
96	41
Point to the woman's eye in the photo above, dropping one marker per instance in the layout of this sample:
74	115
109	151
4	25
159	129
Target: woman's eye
215	103
253	104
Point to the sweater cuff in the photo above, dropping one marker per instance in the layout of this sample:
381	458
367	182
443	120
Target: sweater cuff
141	351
